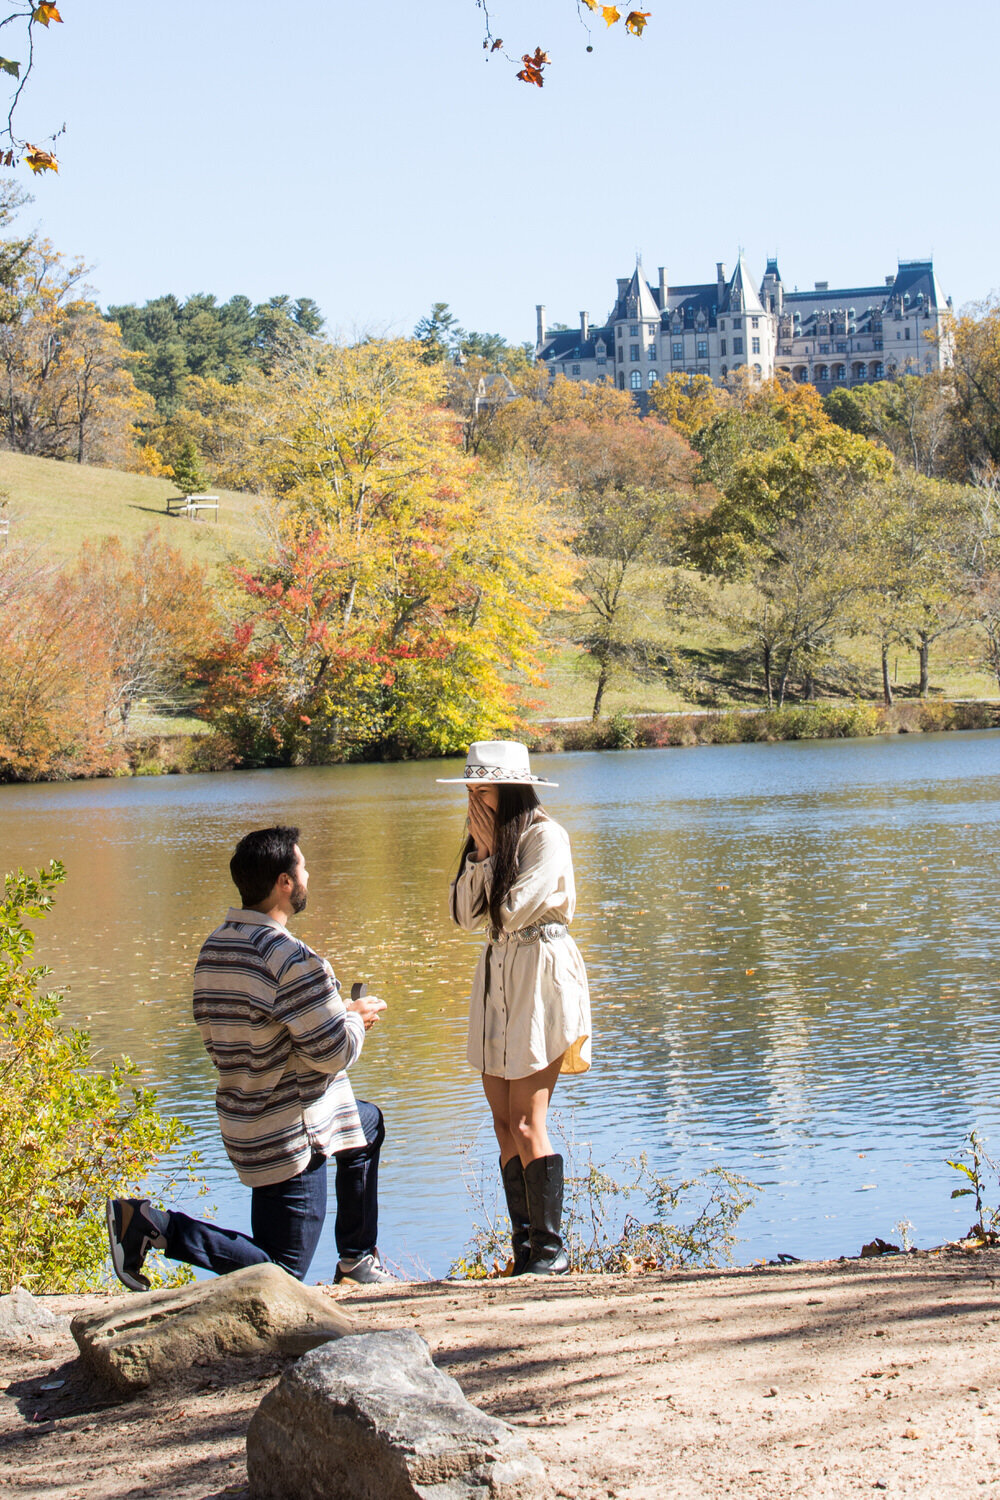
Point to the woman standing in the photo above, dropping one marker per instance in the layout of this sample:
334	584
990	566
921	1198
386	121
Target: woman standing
529	1018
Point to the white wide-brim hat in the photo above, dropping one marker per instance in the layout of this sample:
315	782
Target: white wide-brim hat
497	762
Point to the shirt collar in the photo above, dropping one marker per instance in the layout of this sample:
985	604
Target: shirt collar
253	918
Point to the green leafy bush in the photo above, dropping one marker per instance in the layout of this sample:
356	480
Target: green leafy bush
622	732
70	1135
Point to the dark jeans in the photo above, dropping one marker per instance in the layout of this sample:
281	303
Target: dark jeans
286	1218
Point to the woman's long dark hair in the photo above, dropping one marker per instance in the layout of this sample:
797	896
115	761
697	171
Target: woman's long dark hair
514	810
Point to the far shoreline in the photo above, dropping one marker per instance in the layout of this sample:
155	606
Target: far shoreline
191	752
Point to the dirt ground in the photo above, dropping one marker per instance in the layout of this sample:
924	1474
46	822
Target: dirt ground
828	1379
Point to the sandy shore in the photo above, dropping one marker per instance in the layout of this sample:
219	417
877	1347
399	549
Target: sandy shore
828	1379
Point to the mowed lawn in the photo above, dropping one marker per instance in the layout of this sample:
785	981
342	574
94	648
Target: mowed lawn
56	507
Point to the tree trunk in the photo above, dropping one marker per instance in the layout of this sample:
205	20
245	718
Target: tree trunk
886	680
925	668
809	688
602	682
767	677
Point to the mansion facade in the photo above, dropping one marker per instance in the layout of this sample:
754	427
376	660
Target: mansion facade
827	337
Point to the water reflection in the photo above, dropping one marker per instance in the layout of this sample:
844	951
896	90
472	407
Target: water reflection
790	951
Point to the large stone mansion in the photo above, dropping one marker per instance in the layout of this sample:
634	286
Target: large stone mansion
827	336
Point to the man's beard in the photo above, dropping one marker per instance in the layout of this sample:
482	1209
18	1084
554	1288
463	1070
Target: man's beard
298	899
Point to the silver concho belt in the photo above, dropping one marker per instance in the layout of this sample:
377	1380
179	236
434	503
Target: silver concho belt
541	932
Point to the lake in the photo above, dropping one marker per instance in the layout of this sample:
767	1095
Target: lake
792	949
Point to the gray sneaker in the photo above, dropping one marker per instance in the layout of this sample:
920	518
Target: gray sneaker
366	1270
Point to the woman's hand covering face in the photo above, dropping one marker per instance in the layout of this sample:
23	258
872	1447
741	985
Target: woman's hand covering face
481	824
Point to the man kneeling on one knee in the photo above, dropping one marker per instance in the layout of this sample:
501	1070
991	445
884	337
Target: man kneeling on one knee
270	1014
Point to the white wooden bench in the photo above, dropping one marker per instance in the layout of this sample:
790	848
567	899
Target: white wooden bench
190	505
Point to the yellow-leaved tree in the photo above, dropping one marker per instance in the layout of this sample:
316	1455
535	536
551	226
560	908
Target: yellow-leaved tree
67	388
399	602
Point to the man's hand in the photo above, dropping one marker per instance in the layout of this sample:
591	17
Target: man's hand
367	1008
481	826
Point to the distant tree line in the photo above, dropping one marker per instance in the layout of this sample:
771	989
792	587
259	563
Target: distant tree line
203	337
440	520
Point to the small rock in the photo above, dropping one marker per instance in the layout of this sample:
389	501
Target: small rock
913	1433
23	1318
772	1390
375	1405
156	1336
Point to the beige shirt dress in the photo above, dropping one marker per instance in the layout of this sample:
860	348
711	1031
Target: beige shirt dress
530	1000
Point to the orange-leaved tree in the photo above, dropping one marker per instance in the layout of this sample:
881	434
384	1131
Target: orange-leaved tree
631	485
54	685
149	615
399	601
67	388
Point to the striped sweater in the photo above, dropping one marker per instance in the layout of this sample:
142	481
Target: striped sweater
270	1014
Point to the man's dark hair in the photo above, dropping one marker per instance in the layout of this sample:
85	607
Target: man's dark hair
259	858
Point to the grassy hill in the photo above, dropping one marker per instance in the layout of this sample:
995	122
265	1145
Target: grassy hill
57	506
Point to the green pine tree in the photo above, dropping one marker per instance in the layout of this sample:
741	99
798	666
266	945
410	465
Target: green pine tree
189	476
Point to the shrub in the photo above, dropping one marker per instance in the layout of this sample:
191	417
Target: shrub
821	721
723	729
70	1136
686	1223
621	732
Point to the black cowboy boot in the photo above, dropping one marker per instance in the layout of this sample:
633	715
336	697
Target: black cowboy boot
517	1207
543	1179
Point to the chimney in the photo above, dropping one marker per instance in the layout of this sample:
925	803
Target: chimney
664	289
623	282
890	281
585	326
720	277
540	316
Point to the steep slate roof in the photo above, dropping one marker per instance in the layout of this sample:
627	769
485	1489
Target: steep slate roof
567	344
741	294
912	278
916	277
638	293
690	300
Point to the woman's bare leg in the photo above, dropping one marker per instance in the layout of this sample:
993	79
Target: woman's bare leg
527	1109
497	1091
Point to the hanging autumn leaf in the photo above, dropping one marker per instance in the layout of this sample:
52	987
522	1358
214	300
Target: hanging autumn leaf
7	65
611	14
533	65
497	44
45	12
590	4
39	160
636	20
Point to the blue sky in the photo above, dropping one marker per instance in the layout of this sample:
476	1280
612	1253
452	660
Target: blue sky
368	156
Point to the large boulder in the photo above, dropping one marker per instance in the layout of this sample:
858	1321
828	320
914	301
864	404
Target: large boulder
24	1320
372	1418
157	1336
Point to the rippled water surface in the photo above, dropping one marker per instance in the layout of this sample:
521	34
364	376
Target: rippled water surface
793	953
